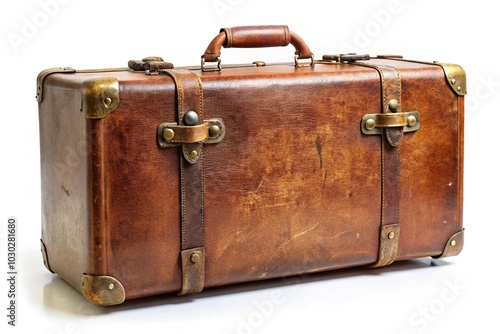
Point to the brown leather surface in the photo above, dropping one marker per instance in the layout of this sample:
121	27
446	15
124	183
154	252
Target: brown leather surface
294	187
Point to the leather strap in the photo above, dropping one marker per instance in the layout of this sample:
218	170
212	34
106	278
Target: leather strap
190	98
389	227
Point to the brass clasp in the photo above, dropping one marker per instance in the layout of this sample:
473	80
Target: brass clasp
374	124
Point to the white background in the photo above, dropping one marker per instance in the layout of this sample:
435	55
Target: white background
453	295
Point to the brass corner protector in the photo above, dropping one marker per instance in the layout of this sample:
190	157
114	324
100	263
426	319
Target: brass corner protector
100	96
45	257
455	75
44	74
102	290
454	245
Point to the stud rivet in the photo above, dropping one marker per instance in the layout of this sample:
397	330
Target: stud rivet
107	102
412	120
111	286
393	105
453	243
370	124
168	134
391	235
195	258
193	154
191	118
214	131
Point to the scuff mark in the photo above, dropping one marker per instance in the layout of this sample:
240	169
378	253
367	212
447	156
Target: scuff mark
66	191
324	180
298	234
319	149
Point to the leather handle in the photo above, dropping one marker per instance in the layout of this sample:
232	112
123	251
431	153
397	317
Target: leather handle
256	37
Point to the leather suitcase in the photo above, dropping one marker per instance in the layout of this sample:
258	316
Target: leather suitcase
160	179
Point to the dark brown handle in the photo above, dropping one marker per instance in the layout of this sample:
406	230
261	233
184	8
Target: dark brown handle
255	37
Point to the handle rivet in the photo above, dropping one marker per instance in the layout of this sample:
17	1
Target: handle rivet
453	243
168	134
191	118
391	235
195	258
412	120
370	124
214	131
193	154
393	105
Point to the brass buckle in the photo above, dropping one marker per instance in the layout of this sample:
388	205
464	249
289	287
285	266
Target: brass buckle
210	69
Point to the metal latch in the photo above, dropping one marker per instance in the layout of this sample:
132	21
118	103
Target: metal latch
374	124
150	65
345	58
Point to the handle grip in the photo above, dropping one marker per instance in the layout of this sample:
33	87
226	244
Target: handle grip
255	37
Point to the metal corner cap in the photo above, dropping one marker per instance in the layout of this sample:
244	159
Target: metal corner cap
44	74
102	290
100	96
455	75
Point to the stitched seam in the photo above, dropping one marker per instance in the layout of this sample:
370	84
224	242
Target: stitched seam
200	92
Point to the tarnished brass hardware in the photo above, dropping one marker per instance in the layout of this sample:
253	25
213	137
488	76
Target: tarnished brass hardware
391	235
168	134
298	64
345	58
45	257
195	258
210	69
454	245
150	65
217	130
370	124
193	154
191	118
171	134
100	96
259	63
374	124
102	290
393	105
412	120
455	75
44	74
214	131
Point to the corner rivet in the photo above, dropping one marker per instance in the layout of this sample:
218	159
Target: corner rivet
459	88
393	105
107	102
453	243
168	134
191	118
193	154
214	131
195	258
391	235
111	286
412	120
453	81
370	124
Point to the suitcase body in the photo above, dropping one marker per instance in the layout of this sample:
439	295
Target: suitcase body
157	179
